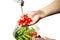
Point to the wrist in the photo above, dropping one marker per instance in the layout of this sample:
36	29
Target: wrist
41	13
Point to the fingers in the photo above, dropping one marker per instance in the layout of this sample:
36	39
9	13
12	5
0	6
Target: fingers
31	13
35	19
39	39
44	38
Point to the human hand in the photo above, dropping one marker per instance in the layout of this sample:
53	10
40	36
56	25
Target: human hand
35	15
44	38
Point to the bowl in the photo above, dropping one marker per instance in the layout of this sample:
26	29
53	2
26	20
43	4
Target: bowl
37	29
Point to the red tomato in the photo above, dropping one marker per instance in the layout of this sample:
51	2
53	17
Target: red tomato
21	22
29	19
25	15
34	34
25	20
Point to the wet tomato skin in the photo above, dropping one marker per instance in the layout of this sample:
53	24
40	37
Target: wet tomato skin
25	20
34	34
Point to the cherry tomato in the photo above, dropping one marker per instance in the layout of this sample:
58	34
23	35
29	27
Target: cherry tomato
34	34
25	20
21	22
29	19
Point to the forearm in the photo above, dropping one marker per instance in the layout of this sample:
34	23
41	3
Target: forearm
51	9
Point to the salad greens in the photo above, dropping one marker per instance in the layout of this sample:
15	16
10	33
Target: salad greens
24	33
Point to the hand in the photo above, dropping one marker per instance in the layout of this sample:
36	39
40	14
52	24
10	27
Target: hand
44	38
35	15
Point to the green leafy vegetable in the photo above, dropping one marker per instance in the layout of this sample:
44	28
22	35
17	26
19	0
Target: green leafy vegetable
23	33
28	36
19	38
22	29
25	37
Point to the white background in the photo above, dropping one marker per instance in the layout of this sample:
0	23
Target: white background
10	12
